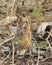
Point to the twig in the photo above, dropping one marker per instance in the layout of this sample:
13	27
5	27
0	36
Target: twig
6	57
46	58
7	40
48	40
13	50
13	7
38	52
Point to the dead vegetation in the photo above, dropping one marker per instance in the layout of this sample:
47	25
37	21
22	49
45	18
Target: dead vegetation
25	32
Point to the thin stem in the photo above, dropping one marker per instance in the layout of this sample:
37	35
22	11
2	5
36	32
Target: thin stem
13	50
